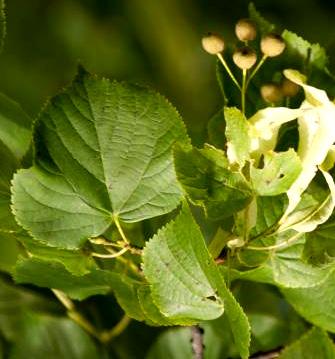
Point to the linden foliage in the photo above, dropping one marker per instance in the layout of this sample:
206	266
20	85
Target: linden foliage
83	196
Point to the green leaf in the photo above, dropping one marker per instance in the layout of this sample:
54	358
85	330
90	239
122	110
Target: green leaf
51	337
51	274
262	24
273	321
152	314
290	271
237	134
185	282
315	304
320	243
9	251
14	303
2	24
269	212
177	265
15	137
304	53
105	146
279	172
208	181
48	207
314	344
15	127
76	262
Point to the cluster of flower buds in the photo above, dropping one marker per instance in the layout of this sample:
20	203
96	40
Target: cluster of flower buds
245	57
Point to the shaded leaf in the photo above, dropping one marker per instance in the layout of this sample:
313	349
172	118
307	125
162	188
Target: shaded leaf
315	304
314	344
263	25
51	337
208	181
320	244
51	274
216	130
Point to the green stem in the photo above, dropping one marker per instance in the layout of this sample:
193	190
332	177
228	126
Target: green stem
243	91
225	65
254	72
75	315
119	228
228	267
112	255
119	328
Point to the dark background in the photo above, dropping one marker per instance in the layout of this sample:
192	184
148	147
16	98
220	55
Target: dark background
156	42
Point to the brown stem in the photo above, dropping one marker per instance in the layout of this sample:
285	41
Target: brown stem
197	342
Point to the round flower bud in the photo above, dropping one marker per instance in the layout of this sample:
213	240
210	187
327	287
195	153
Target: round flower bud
213	43
289	88
271	93
245	58
245	30
272	45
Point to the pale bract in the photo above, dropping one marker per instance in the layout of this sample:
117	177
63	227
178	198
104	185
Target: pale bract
316	135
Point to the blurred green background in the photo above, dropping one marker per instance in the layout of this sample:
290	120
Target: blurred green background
156	42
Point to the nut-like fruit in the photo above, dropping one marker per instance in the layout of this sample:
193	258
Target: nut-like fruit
272	45
271	93
213	43
245	58
245	30
289	88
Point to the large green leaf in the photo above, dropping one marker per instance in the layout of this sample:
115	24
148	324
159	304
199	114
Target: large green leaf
315	304
314	344
185	282
103	149
208	181
177	265
14	303
51	337
131	294
290	271
280	170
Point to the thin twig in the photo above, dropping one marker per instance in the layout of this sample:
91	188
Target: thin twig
75	315
113	255
197	342
119	328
